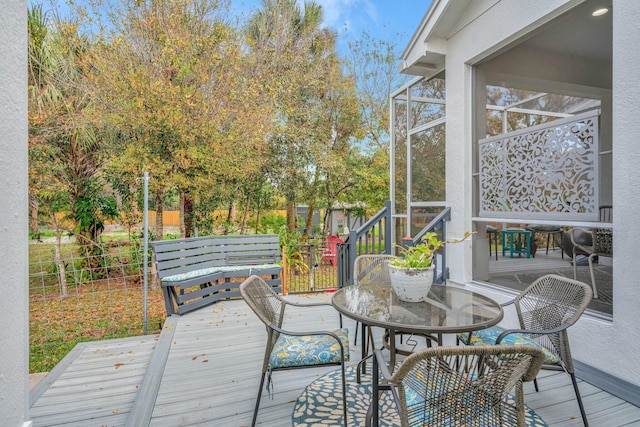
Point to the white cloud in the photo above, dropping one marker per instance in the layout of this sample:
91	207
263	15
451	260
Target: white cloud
348	14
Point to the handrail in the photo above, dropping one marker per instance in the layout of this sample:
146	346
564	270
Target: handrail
437	224
373	237
369	237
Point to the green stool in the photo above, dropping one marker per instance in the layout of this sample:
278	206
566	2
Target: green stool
512	242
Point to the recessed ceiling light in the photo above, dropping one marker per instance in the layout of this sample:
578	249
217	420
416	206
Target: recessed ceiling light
600	12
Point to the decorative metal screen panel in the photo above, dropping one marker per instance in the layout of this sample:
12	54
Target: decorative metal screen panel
548	171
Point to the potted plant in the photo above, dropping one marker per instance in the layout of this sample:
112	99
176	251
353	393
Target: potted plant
412	275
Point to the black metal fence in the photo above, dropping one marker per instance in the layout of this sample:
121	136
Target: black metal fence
309	268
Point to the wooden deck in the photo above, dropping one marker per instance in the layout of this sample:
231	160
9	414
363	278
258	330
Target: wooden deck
203	370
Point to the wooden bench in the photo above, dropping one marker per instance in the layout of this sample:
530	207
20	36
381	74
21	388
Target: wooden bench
197	271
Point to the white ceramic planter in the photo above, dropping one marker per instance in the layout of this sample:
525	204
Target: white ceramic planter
411	284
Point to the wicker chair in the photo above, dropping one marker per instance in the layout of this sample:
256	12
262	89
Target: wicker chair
545	311
288	349
371	268
601	245
368	269
451	386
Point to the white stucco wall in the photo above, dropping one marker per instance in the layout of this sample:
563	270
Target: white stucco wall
14	343
609	346
484	28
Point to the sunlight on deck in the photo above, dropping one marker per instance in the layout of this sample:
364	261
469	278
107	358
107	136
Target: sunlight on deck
210	376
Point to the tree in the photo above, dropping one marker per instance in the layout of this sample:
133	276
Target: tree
177	100
373	65
63	148
291	49
339	128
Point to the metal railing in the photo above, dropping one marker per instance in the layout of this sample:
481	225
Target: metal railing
374	237
437	225
309	268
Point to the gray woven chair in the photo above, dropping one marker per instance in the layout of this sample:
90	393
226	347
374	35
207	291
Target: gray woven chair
601	245
292	349
546	309
451	386
371	269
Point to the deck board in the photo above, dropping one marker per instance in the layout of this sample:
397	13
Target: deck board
211	376
97	387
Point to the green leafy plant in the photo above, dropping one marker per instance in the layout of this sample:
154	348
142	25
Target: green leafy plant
421	254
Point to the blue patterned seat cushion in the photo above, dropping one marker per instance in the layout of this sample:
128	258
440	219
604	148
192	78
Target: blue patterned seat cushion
293	351
489	336
253	269
318	405
191	274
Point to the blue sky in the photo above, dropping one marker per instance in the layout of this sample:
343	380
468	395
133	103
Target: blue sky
383	19
380	18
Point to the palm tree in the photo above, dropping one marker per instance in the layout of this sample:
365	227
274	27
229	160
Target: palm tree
287	42
63	147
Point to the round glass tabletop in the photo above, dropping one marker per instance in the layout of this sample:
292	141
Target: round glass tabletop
449	309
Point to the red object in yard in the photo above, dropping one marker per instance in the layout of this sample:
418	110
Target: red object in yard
330	253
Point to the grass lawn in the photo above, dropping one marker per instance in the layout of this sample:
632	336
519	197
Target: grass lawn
102	310
105	301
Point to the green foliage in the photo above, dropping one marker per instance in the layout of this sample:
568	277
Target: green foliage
92	209
296	249
289	238
421	255
225	115
269	222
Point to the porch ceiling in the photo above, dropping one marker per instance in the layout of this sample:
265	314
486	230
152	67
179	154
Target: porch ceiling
578	33
575	34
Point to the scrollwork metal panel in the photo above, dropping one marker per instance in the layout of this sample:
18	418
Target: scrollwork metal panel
548	171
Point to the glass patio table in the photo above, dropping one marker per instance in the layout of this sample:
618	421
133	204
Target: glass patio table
448	310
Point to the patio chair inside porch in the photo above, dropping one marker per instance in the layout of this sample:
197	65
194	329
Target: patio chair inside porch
599	244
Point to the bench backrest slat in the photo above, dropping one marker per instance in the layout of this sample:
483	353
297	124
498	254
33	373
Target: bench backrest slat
184	255
214	240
